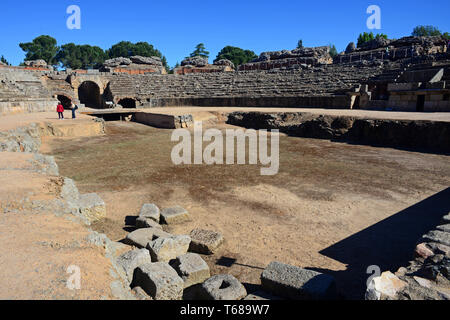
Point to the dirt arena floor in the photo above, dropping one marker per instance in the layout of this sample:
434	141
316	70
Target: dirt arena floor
333	207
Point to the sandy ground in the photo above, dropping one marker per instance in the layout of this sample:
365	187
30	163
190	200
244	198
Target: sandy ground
37	249
325	194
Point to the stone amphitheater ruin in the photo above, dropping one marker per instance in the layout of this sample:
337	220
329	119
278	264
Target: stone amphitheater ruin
355	102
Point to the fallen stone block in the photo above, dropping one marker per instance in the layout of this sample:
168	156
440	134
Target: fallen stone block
130	260
191	268
205	241
144	222
92	207
444	227
150	211
174	215
222	287
446	219
438	236
296	283
440	249
422	251
384	287
160	281
261	296
167	248
141	237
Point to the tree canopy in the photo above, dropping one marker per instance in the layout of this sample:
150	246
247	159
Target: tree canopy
237	55
128	49
300	44
3	59
333	51
366	37
426	31
43	47
200	50
80	56
429	31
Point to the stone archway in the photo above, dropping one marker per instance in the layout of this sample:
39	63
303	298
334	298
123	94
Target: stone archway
127	103
89	95
65	101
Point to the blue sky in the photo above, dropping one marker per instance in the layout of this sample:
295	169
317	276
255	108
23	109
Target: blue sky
175	27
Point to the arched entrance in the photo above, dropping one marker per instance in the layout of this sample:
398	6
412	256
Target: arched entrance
65	101
89	95
128	103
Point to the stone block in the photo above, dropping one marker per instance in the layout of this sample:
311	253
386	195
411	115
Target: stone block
205	241
141	237
191	268
168	248
174	215
222	287
446	219
144	222
438	237
298	284
150	211
130	260
444	227
92	207
160	281
387	286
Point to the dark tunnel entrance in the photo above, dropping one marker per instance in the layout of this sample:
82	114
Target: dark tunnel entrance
89	95
128	103
65	101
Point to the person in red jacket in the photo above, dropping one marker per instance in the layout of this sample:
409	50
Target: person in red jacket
60	110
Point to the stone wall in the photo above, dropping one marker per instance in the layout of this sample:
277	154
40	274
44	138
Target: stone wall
423	135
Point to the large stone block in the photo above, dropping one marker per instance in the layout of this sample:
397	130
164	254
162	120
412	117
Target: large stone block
387	286
141	237
437	236
174	215
222	287
150	211
205	241
168	248
92	207
144	222
160	281
130	260
298	284
192	269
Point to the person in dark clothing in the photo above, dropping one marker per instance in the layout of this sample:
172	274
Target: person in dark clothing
74	109
60	110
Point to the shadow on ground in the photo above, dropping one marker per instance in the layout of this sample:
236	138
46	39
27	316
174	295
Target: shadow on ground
388	244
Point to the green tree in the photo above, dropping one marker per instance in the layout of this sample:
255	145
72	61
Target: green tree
80	56
446	35
3	59
426	31
43	47
200	50
333	51
366	37
236	55
128	49
300	44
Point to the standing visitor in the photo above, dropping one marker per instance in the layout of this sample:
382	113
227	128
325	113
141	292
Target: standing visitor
60	110
74	109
